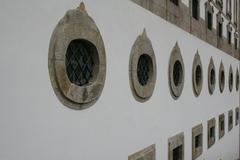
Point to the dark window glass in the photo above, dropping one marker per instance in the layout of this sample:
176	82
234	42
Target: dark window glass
198	77
195	10
80	61
220	29
229	37
144	69
212	132
222	125
212	77
230	119
222	77
209	18
177	153
176	2
235	43
177	73
198	141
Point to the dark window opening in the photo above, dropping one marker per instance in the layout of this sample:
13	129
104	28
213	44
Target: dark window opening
230	119
237	116
198	141
177	73
229	37
212	132
231	80
176	2
81	61
209	20
144	69
220	27
195	10
198	77
177	153
222	125
212	77
222	77
235	43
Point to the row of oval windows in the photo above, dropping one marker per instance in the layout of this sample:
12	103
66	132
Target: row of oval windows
77	64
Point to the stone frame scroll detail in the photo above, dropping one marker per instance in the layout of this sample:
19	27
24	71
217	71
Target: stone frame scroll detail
76	25
142	46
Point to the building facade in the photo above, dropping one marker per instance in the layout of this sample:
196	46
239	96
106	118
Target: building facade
129	79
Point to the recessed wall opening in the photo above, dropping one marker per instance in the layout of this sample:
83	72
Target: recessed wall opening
221	125
220	27
177	153
195	9
81	61
230	81
176	2
198	141
198	77
235	43
229	37
177	73
209	20
212	132
144	69
237	81
212	77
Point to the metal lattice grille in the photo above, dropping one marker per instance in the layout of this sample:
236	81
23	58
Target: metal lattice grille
212	77
79	62
198	75
143	69
177	73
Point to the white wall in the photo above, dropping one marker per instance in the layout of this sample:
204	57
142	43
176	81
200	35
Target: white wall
35	125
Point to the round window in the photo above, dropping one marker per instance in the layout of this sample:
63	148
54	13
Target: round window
230	79
176	72
221	77
81	62
197	75
211	77
237	80
142	68
77	61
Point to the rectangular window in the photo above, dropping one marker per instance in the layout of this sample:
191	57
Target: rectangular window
237	116
195	10
176	147
221	126
229	37
220	27
211	132
235	43
177	153
209	20
176	2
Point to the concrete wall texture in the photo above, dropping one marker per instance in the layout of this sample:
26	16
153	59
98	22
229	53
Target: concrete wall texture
35	125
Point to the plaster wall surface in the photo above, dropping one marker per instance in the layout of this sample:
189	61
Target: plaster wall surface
35	125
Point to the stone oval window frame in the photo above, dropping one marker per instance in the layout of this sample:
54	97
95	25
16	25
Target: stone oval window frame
211	71
221	77
176	57
76	24
197	67
237	81
230	79
142	46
